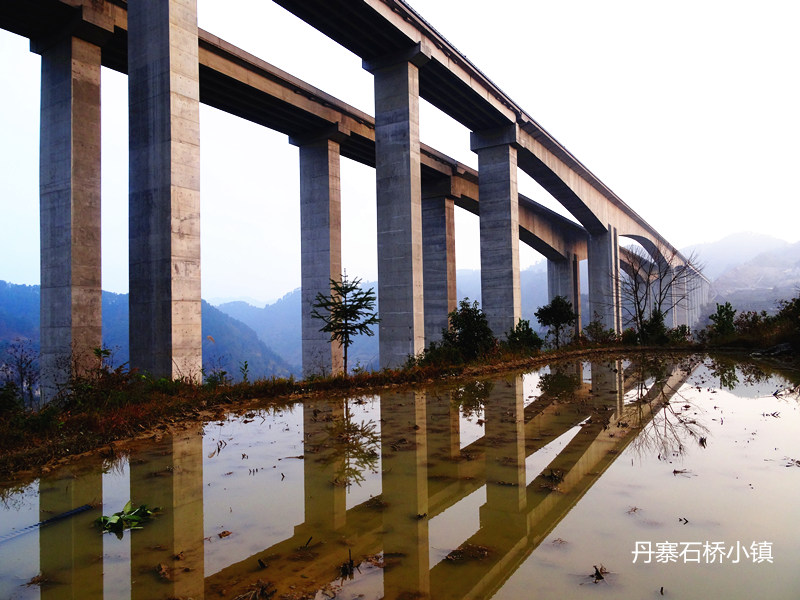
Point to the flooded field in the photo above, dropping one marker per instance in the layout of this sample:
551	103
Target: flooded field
612	479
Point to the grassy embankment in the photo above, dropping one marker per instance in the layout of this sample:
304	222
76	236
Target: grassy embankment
106	405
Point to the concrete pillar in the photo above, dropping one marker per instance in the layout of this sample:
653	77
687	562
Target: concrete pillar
71	550
604	290
681	297
69	188
499	227
399	210
669	296
439	264
563	279
164	221
320	247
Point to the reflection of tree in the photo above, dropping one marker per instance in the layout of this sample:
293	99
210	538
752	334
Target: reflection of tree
726	371
671	427
559	383
752	373
471	396
355	446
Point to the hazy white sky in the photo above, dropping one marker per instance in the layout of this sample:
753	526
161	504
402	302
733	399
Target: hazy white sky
687	110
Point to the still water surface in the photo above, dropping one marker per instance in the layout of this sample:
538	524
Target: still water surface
614	479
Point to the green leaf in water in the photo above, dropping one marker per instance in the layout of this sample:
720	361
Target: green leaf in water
127	518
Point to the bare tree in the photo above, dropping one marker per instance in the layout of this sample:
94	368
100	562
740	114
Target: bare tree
652	289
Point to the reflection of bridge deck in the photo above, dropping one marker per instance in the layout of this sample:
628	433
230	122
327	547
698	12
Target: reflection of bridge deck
516	516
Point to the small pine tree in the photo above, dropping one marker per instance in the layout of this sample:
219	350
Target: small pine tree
347	312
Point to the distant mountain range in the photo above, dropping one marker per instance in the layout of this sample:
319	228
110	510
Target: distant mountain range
227	343
766	271
751	271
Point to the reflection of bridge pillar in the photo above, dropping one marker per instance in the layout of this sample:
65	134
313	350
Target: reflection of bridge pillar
604	291
169	476
399	210
444	435
608	380
320	245
71	550
325	496
405	487
69	188
164	224
439	264
563	279
499	226
505	447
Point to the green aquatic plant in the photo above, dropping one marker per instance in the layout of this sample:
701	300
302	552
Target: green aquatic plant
127	518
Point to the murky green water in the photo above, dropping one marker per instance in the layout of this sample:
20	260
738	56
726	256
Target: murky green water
681	479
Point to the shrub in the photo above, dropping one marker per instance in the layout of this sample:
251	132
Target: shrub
522	338
723	321
469	331
599	334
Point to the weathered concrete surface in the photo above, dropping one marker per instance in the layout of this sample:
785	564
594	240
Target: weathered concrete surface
69	187
563	279
499	229
399	212
320	249
439	264
164	226
604	281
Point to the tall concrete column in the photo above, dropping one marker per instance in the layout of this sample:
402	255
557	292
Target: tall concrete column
681	295
399	210
164	222
563	279
438	264
669	295
499	227
604	291
320	246
69	188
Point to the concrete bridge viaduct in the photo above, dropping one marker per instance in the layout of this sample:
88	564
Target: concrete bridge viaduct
172	67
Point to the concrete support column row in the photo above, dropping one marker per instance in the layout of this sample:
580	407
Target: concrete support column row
399	210
164	221
69	187
604	279
438	264
563	279
499	227
320	247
